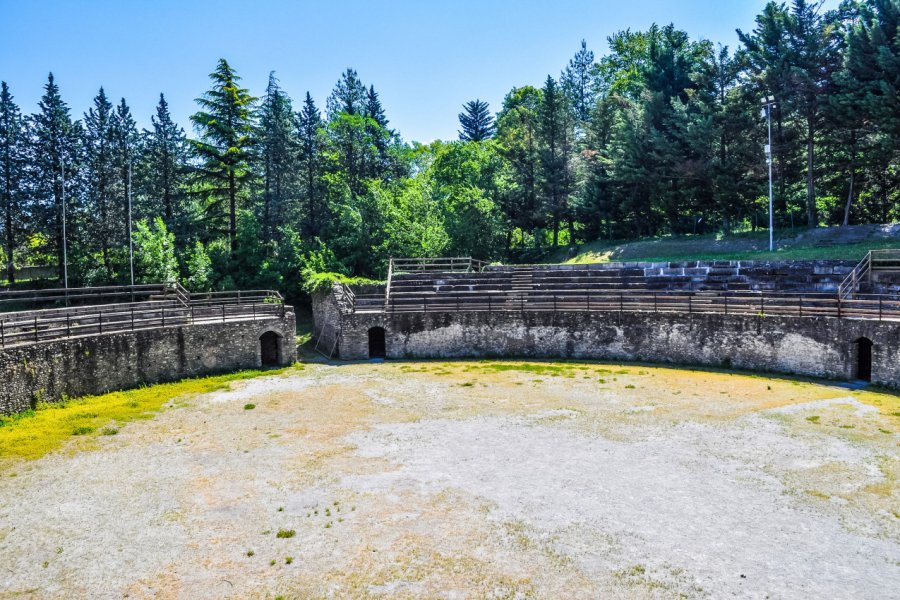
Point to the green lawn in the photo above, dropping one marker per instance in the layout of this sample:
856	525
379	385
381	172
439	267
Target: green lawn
743	246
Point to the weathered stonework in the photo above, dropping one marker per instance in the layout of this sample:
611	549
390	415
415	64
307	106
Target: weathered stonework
98	364
814	346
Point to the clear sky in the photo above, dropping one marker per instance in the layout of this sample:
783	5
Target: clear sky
425	57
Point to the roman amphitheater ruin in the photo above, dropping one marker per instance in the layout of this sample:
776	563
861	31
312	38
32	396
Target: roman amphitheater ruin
828	319
833	319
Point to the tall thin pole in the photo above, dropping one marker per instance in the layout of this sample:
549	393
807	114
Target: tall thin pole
62	197
130	246
769	160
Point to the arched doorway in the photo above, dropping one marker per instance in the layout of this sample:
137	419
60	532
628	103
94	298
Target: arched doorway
863	353
269	351
377	348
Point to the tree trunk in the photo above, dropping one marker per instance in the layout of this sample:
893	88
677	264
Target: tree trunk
811	220
10	237
232	212
852	175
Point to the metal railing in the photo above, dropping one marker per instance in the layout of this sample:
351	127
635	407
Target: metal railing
174	308
875	261
16	300
458	264
875	307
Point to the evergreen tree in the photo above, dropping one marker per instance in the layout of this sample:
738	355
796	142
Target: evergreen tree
277	149
165	167
309	134
101	209
12	177
127	150
519	144
579	84
767	55
54	167
349	96
476	122
556	174
382	137
814	59
225	147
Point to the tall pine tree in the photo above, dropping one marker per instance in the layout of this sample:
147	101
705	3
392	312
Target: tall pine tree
310	144
12	177
102	209
476	122
54	162
165	168
225	148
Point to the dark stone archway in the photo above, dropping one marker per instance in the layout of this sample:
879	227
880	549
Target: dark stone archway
377	345
270	349
863	352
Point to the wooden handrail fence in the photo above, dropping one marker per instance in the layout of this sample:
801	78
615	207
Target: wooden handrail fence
173	308
875	307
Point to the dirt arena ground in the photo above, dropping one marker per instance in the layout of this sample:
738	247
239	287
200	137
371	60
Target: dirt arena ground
471	480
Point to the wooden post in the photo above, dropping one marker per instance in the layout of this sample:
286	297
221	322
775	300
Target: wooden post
132	318
68	329
223	313
100	320
839	307
879	308
2	336
489	303
726	303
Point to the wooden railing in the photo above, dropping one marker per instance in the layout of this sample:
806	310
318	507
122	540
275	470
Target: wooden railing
17	300
168	306
29	328
874	307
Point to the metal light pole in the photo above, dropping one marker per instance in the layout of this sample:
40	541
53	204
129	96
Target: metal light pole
130	246
768	102
62	197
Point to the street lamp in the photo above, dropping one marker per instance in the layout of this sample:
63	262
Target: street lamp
62	198
130	245
768	102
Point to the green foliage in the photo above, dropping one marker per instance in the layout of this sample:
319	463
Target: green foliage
322	282
154	253
661	136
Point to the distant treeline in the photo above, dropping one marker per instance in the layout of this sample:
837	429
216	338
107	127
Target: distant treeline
662	135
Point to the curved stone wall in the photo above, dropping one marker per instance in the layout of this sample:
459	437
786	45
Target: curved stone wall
813	346
97	364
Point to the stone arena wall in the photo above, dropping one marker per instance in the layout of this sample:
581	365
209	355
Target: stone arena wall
812	346
97	364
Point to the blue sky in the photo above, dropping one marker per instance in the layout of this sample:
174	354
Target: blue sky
424	57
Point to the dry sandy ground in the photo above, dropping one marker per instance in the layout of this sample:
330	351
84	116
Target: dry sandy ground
468	480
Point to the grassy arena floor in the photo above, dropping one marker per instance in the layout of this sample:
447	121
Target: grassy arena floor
456	479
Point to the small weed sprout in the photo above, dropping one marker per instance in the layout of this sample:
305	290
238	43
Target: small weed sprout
250	552
249	406
288	560
285	533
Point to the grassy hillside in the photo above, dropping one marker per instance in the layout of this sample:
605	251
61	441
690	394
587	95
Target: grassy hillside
850	243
